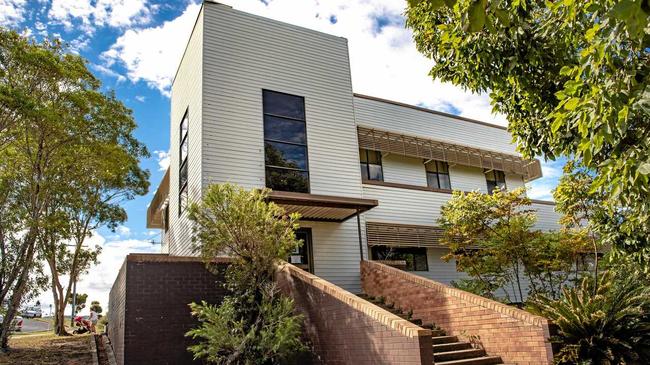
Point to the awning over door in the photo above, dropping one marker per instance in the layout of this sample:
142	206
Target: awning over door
400	144
325	208
405	235
154	212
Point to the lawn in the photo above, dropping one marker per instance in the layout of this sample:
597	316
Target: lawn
48	349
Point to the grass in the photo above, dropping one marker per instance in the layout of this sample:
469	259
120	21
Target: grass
48	349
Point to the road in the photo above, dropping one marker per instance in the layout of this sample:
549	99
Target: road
35	325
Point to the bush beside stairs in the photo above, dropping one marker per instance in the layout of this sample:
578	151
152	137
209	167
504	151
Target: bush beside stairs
447	350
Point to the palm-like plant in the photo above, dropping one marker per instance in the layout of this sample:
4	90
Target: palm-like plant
610	325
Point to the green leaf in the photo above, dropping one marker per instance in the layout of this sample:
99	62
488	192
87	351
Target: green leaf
436	4
644	168
450	3
476	15
571	104
556	125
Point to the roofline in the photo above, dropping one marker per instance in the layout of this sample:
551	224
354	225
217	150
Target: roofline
178	68
426	110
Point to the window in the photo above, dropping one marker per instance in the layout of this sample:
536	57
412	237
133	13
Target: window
371	168
285	142
182	168
302	256
415	257
495	179
438	175
166	218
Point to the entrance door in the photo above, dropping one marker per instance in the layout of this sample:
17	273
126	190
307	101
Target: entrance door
302	257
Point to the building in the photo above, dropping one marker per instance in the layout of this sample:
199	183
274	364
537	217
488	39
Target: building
259	103
262	103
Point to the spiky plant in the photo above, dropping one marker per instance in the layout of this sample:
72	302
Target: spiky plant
609	324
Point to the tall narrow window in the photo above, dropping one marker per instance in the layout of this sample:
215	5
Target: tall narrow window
495	179
182	167
285	142
371	168
438	175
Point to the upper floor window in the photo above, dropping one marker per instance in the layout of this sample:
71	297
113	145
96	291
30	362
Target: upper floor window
371	168
495	179
438	175
285	142
182	168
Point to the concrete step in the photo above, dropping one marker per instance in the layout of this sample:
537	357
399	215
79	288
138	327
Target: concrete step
451	346
443	339
458	354
484	360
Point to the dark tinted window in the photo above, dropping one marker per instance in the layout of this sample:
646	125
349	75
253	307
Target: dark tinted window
284	130
284	105
495	179
415	257
285	142
183	162
438	175
370	162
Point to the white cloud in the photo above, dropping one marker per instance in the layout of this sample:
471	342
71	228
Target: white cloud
123	231
12	12
140	98
153	54
114	13
108	72
98	281
163	160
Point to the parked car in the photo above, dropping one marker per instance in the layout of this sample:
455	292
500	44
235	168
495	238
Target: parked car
32	312
16	324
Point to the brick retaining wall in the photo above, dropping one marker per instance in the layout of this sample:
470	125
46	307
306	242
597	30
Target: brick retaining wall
346	329
515	335
148	307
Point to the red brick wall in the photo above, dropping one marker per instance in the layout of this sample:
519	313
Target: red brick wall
345	329
515	335
149	313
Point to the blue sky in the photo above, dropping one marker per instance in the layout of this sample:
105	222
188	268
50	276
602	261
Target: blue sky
134	47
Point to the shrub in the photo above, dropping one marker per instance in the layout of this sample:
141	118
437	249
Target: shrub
609	324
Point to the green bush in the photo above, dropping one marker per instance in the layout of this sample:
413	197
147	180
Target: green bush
609	324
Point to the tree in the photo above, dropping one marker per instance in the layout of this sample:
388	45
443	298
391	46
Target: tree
96	307
79	300
492	239
572	77
60	134
255	324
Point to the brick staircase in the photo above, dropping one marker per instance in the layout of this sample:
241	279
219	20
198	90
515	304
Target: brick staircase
447	350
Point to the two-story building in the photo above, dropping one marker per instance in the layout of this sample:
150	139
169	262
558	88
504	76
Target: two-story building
261	103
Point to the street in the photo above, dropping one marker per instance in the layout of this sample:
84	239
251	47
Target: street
35	325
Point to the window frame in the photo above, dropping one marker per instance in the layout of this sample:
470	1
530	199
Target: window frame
183	163
437	173
367	164
406	248
495	174
271	140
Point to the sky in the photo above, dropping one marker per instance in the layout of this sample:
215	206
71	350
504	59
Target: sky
135	46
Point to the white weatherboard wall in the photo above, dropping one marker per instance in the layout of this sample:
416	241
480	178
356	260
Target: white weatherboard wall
245	54
186	95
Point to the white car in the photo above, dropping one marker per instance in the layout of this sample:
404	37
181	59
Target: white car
32	312
16	324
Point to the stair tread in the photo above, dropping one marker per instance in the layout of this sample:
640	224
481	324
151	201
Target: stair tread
458	354
438	346
460	351
483	360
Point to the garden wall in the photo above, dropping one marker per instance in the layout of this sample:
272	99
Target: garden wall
345	329
515	335
148	307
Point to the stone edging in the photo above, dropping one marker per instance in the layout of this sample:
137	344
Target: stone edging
463	295
383	316
93	350
108	348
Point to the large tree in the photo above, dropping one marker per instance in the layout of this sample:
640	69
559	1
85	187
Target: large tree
572	77
64	137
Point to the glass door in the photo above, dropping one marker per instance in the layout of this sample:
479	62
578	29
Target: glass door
302	256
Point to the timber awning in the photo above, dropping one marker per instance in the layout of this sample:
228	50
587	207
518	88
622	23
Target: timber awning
403	235
154	212
400	144
324	208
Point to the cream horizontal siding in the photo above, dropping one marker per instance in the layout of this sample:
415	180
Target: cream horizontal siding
400	119
547	217
404	206
404	170
245	54
466	178
514	181
186	95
